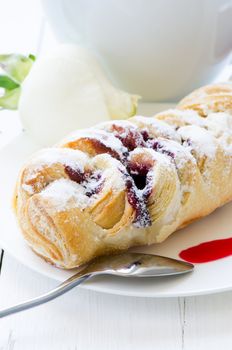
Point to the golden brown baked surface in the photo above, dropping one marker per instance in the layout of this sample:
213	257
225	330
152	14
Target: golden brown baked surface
127	183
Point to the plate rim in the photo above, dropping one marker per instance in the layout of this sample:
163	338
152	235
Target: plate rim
112	291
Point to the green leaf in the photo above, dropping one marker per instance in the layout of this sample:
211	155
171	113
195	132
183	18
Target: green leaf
8	83
17	66
32	57
10	99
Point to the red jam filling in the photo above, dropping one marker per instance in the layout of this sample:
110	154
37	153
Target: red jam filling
139	173
145	135
142	216
138	176
90	181
129	137
74	174
138	184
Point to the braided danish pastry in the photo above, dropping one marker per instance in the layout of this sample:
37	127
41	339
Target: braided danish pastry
127	183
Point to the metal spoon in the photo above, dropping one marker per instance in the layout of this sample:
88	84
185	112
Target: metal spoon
124	265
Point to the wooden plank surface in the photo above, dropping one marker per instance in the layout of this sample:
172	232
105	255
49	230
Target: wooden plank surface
83	319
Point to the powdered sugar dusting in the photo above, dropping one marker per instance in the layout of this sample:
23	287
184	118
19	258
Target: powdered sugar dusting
154	155
199	139
46	159
186	117
224	120
157	128
108	125
65	156
64	194
178	150
111	169
28	188
106	138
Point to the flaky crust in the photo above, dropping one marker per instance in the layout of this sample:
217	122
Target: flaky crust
127	183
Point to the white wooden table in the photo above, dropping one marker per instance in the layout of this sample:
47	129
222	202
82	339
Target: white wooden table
83	319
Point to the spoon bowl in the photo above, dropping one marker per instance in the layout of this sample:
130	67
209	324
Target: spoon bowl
137	265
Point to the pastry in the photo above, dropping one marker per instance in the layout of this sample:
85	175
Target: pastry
128	183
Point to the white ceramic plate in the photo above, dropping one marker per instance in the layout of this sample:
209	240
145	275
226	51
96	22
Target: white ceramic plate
207	278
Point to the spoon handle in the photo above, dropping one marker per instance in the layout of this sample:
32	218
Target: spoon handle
62	288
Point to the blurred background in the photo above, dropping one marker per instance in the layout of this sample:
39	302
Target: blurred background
159	49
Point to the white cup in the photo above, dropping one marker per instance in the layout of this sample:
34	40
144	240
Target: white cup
159	49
